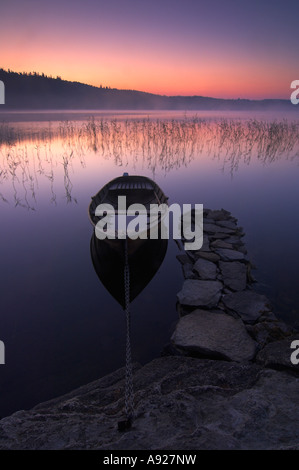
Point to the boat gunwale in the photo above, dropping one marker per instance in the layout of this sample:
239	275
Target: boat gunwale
159	194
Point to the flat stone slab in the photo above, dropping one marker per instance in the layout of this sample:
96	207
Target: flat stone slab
200	293
221	244
219	235
214	335
229	255
248	304
235	240
234	274
208	255
205	269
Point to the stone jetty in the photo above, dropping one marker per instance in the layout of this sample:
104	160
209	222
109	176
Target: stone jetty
221	315
224	381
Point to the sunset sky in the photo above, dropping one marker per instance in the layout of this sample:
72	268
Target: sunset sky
219	48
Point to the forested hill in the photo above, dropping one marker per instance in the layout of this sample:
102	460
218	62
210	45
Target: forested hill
38	91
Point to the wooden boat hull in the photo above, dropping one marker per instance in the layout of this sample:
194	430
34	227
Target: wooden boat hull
145	256
109	264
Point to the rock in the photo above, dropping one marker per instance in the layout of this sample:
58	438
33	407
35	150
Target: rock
221	244
209	256
214	335
219	235
242	249
200	293
228	291
265	332
171	350
208	221
229	255
213	228
188	271
234	274
205	269
180	403
278	354
247	304
183	310
227	224
250	278
205	244
191	256
236	240
268	317
183	259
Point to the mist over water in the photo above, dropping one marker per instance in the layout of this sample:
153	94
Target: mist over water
61	328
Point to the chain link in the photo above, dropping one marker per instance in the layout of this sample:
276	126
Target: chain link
129	406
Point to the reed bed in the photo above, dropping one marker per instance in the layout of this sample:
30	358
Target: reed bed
28	154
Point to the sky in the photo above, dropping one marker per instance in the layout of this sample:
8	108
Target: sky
218	48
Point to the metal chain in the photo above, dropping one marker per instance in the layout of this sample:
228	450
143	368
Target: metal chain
129	406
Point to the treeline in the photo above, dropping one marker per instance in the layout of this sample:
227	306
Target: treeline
35	90
29	74
39	91
12	74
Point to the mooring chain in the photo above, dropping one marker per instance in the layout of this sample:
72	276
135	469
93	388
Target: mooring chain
129	407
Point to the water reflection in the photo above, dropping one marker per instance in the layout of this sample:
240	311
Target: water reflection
109	264
38	155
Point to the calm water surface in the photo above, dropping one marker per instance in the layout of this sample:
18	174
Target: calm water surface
61	328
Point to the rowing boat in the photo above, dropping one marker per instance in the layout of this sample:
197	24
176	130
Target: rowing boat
144	256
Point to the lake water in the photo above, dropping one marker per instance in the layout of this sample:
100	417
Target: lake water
61	328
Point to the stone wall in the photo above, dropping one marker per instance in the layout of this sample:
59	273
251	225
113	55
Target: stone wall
221	315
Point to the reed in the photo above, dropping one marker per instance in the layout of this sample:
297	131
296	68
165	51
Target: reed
28	154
